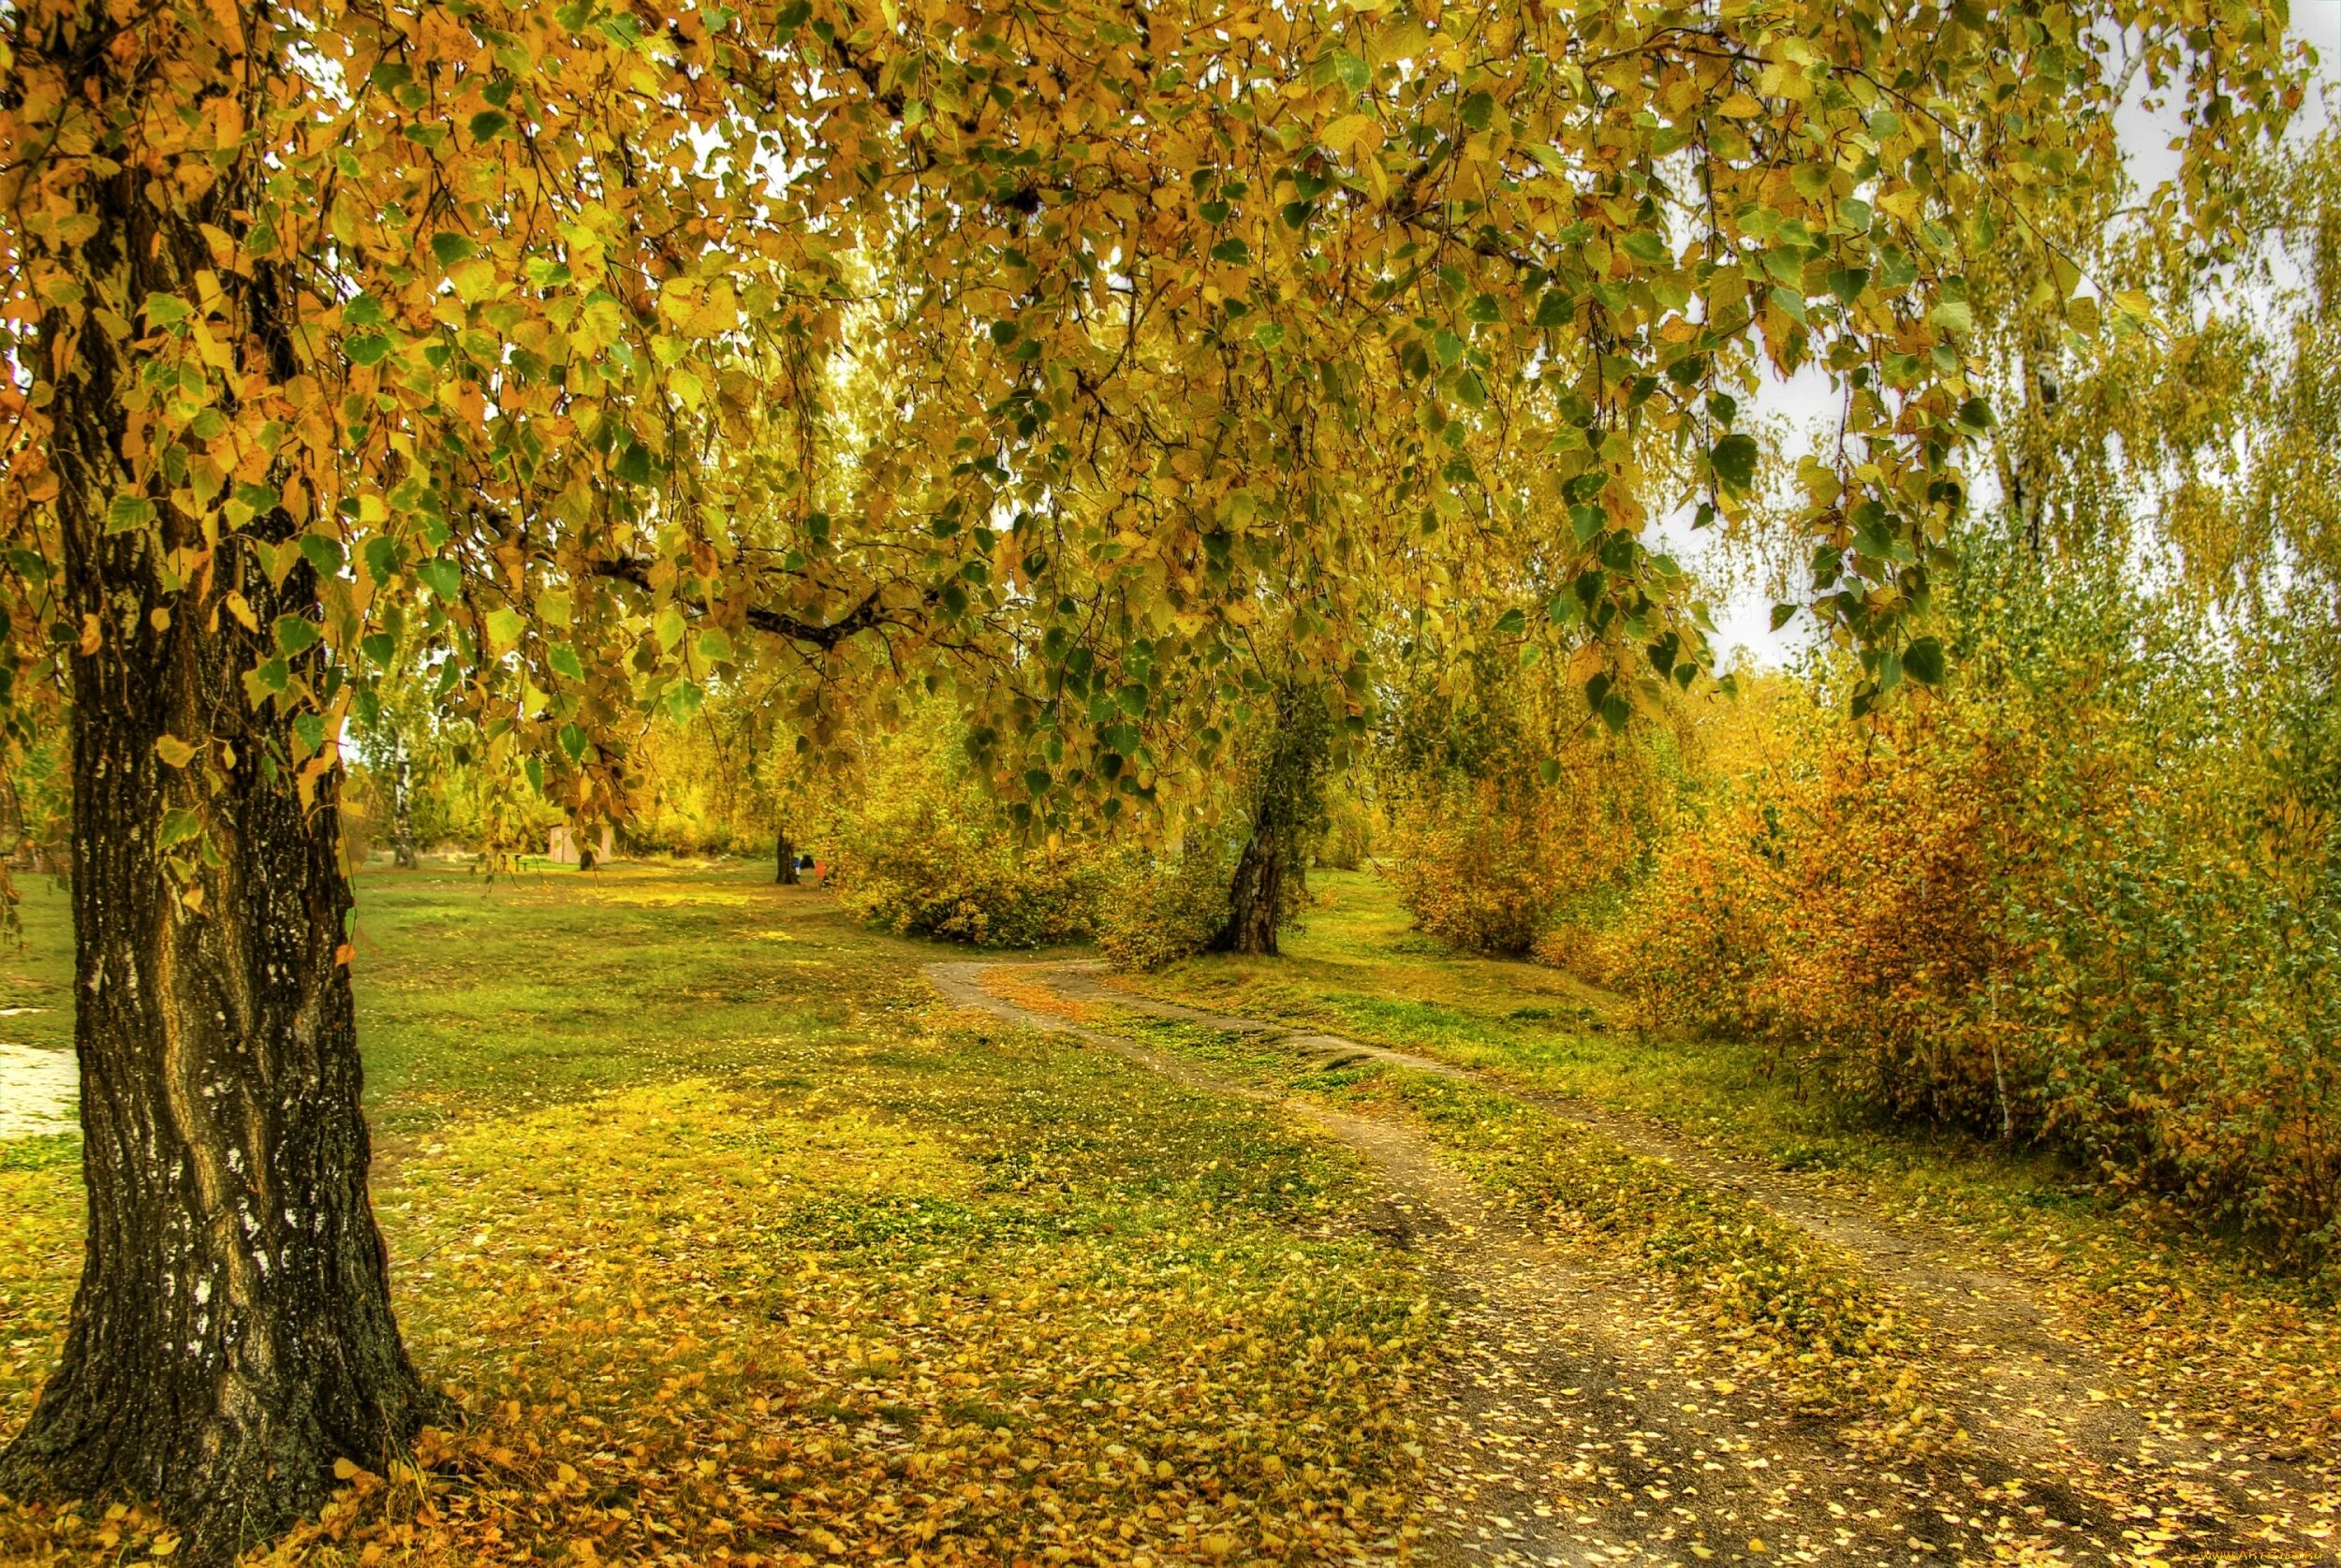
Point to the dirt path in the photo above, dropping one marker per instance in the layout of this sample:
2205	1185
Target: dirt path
1584	1420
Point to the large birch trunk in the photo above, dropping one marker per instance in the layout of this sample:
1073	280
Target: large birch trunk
233	1335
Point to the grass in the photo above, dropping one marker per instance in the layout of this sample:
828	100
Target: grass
2192	1312
738	1247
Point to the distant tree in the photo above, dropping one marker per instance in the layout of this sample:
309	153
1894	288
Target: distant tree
1284	808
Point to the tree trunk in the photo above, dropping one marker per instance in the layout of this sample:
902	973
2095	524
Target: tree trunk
1288	810
785	861
403	814
233	1335
1255	897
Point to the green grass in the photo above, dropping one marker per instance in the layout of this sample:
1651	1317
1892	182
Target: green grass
728	1234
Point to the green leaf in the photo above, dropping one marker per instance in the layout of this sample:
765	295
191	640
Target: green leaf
443	578
488	124
167	310
1648	247
634	466
381	556
324	553
296	634
273	679
179	826
714	646
565	661
127	512
504	628
1924	661
1954	316
364	310
451	247
1735	457
573	742
1511	623
1783	614
1351	71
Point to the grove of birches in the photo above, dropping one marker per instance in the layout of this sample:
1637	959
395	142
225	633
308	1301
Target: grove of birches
1145	486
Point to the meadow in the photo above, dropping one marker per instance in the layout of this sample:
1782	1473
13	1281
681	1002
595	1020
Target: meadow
739	1241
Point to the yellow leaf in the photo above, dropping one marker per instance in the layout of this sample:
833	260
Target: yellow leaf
344	1470
240	608
1740	106
474	279
1344	133
175	752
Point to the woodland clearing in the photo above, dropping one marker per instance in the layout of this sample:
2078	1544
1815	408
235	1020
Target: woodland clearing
741	1241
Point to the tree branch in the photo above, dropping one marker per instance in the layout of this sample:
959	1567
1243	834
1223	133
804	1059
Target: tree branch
861	617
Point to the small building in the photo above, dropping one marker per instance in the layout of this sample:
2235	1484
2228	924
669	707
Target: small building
563	847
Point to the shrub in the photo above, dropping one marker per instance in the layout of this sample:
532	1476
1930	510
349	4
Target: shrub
1478	865
2079	899
1161	909
923	852
1522	822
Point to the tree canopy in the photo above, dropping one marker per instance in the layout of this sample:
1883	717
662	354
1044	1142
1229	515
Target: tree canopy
594	343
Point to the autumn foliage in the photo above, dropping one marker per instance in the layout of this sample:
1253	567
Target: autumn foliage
920	850
2050	906
1514	812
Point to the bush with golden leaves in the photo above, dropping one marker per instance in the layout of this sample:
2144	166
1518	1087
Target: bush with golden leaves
2058	904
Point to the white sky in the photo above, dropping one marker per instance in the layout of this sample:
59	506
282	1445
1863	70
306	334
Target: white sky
1743	617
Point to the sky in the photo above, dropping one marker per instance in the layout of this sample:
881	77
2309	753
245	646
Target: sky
1744	618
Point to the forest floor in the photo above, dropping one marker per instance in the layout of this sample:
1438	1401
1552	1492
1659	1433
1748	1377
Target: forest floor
744	1235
